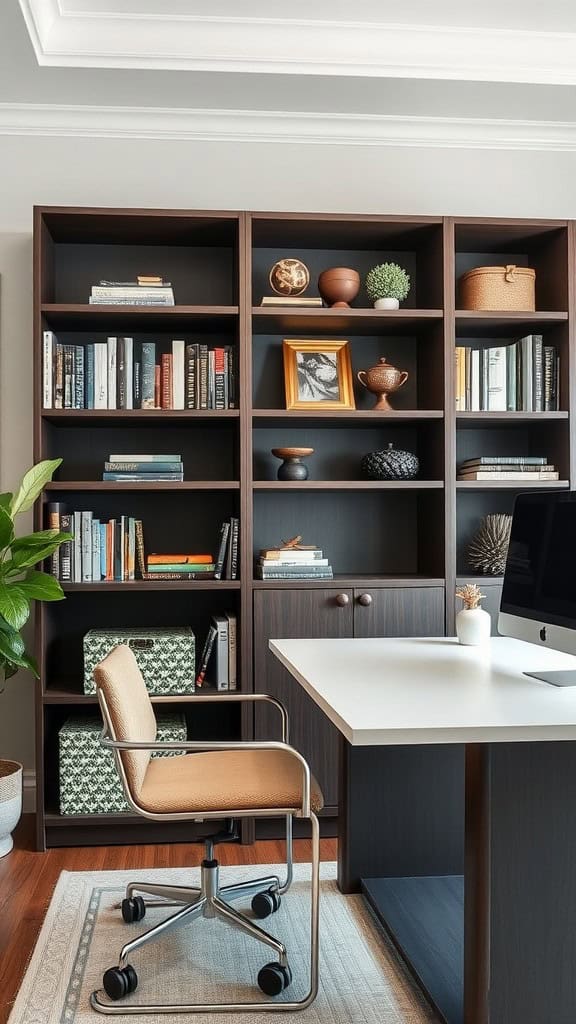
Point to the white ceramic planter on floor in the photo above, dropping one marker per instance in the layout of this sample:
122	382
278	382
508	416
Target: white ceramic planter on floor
10	802
473	626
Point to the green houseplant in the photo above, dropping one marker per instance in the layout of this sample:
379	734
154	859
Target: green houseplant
20	584
387	285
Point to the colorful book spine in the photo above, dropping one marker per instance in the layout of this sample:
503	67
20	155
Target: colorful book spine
86	541
89	355
55	510
143	467
77	549
232	652
112	373
95	550
65	550
178	374
206	652
224	535
48	369
166	381
101	375
79	383
221	652
234	534
148	374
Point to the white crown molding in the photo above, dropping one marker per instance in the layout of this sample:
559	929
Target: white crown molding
100	38
257	126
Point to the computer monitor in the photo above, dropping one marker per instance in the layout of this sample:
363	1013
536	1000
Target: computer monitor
539	592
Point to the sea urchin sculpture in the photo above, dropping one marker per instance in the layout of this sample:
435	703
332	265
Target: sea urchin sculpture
488	549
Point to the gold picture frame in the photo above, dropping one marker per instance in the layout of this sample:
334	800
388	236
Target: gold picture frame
318	374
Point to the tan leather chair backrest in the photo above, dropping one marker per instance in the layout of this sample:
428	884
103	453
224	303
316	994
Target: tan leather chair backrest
130	709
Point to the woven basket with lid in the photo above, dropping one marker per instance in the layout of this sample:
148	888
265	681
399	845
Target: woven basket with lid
497	288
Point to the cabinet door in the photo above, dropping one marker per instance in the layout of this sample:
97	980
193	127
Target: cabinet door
279	615
399	611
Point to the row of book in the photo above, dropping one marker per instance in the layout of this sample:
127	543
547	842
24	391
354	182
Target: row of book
522	377
114	550
524	468
144	291
293	563
218	661
122	374
143	468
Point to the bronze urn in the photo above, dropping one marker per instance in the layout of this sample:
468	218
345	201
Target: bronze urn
382	380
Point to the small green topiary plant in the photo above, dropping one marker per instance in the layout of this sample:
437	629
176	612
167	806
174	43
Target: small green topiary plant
387	281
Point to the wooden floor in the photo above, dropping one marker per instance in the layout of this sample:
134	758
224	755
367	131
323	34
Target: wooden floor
27	879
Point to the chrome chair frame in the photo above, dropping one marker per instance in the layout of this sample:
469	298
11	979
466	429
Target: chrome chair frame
211	900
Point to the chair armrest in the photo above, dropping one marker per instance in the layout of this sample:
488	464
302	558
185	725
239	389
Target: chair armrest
230	697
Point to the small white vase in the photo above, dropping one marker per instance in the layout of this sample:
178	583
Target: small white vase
10	802
387	304
473	626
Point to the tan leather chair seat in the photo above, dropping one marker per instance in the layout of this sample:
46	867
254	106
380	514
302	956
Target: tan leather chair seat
245	778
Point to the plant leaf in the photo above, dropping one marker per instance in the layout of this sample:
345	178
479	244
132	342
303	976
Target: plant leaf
9	670
6	499
12	649
31	664
14	604
22	559
30	540
32	484
40	586
6	527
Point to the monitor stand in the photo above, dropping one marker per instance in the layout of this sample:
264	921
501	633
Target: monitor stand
567	677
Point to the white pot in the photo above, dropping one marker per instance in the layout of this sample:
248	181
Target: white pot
473	626
387	304
10	802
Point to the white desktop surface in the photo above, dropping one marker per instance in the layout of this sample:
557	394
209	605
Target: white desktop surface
417	691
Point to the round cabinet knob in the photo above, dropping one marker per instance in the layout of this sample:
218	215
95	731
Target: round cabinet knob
365	600
342	600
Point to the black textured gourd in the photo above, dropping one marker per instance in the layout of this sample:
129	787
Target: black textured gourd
390	464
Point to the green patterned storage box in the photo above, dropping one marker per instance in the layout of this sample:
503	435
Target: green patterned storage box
166	657
89	782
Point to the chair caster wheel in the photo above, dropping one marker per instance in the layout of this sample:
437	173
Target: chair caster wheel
133	909
120	981
266	903
274	978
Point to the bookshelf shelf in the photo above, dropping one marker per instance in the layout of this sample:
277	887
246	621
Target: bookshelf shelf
80	316
68	693
158	485
119	417
270	320
405	542
150	585
347	485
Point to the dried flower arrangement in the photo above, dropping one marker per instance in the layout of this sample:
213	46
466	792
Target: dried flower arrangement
488	549
471	595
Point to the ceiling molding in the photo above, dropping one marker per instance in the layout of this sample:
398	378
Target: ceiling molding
106	38
257	126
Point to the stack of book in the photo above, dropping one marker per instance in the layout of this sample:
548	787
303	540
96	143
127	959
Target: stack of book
144	291
522	377
144	468
99	550
226	562
180	567
290	563
121	374
307	301
523	468
217	664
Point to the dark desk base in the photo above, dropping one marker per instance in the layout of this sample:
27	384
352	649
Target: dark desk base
424	917
401	815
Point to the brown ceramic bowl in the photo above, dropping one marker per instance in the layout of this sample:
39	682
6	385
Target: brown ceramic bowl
339	286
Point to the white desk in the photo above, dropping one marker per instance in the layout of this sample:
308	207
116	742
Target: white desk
458	774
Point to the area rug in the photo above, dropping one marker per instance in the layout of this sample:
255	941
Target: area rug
362	981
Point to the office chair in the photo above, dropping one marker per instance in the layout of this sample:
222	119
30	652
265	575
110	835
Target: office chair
208	781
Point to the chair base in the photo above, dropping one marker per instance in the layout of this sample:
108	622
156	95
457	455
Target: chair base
211	900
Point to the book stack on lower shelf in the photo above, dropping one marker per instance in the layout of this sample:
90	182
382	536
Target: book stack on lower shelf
218	662
293	563
522	377
144	468
526	469
180	567
144	291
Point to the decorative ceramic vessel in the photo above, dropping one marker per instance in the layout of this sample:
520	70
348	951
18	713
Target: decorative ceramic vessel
10	802
292	468
382	380
390	464
387	304
473	626
289	277
339	286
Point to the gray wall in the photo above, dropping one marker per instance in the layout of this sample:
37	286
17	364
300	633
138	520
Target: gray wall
118	172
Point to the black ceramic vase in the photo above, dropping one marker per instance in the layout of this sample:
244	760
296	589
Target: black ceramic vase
390	464
292	468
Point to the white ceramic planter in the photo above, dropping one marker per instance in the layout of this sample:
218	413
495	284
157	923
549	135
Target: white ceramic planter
10	802
387	304
473	626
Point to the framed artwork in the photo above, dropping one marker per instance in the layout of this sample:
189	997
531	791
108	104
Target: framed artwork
318	375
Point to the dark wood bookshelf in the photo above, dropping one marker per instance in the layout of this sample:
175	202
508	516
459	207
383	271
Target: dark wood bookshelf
403	543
